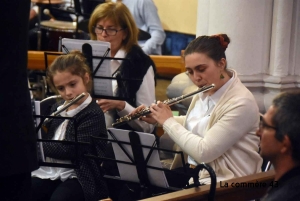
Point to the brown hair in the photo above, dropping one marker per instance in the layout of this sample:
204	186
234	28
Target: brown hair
213	46
119	14
286	119
74	62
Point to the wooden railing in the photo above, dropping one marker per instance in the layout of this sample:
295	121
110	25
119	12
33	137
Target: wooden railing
166	65
242	188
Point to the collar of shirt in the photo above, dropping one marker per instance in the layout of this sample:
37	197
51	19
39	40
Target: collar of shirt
116	63
217	95
73	112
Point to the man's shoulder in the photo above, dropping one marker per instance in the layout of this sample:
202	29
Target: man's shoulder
288	191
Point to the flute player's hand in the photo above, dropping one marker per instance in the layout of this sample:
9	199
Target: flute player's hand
107	105
160	112
147	118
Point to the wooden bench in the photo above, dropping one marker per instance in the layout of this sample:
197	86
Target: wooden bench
166	65
242	188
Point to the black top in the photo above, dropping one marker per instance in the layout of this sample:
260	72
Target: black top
90	122
287	188
135	67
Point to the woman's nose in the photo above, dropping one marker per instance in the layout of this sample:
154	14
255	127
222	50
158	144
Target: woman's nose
104	33
197	76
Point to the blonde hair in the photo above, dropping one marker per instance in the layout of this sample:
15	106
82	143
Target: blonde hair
119	14
74	62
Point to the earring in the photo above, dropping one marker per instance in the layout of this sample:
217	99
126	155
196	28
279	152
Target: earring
222	76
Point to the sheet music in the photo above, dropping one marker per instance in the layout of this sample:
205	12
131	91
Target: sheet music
128	172
38	120
101	86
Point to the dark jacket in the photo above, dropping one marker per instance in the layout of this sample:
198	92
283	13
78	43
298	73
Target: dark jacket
89	122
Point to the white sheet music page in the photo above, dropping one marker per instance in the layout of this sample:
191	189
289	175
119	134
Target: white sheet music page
128	172
101	86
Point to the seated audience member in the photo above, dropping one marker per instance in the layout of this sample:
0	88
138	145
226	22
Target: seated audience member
220	125
146	17
280	139
112	22
69	76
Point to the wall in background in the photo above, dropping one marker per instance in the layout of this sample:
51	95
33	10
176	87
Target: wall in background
265	42
178	15
178	18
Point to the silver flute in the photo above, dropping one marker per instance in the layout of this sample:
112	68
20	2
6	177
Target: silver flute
71	102
169	102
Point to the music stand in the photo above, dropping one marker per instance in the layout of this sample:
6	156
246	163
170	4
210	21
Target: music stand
132	150
101	72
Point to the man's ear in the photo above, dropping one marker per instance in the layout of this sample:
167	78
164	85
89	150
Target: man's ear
286	145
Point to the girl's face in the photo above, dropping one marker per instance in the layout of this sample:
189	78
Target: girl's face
69	86
112	33
204	71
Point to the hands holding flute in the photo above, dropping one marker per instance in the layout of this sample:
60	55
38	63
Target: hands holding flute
160	112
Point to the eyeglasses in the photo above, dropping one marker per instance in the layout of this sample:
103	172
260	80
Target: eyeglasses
264	125
110	32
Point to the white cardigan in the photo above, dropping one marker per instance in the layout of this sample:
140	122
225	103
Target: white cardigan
229	145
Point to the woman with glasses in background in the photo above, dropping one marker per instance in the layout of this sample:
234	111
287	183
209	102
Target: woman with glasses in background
113	22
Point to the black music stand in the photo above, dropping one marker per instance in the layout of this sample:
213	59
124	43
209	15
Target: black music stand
87	50
136	154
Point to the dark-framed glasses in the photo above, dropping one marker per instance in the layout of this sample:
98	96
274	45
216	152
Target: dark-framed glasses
264	125
109	31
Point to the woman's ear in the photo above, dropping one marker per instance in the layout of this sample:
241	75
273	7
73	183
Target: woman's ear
125	31
222	63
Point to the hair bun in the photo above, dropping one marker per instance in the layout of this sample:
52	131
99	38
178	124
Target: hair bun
223	39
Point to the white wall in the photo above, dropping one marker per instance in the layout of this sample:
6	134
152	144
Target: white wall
265	42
